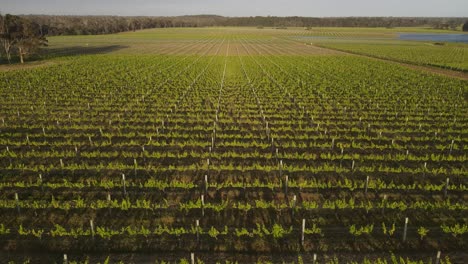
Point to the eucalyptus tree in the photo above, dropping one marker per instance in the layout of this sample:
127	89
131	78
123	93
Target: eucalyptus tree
19	36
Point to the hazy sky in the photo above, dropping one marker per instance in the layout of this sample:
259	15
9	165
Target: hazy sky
316	8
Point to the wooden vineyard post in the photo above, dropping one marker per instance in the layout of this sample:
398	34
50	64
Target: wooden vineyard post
451	146
367	185
206	183
65	259
314	261
286	180
17	202
203	204
281	168
342	156
446	187
425	168
384	203
40	182
405	230
293	205
91	225
302	232
109	202
192	258
135	164
438	257
197	227
123	183
267	130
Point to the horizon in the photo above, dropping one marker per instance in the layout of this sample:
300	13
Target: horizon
215	15
241	8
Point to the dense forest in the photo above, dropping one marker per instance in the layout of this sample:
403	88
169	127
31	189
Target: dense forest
82	25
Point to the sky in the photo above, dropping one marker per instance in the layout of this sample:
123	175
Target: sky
310	8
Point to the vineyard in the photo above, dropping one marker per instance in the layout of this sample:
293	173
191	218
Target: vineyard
231	147
453	56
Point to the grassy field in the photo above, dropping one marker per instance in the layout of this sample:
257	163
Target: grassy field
384	44
237	145
450	56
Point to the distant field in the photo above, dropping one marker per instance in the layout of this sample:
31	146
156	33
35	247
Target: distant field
452	56
182	41
376	42
384	43
234	144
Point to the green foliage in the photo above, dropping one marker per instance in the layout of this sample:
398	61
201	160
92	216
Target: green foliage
358	231
4	230
213	232
455	230
422	231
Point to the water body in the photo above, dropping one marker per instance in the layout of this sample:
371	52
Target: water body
435	37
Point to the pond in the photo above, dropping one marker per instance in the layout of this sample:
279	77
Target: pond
435	37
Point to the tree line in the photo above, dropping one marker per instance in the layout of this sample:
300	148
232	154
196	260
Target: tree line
93	25
19	37
84	25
